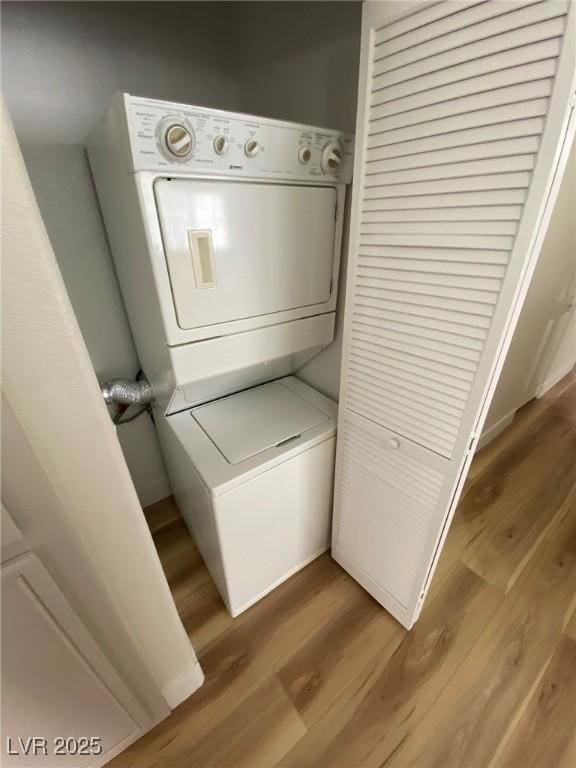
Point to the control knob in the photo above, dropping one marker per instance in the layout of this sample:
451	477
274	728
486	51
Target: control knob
178	140
332	157
251	148
220	145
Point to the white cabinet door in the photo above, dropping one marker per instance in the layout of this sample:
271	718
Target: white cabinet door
55	681
463	115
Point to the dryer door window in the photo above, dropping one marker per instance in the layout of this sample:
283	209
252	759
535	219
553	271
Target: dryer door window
237	250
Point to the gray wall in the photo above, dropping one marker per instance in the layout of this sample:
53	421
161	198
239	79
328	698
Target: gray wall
299	61
62	62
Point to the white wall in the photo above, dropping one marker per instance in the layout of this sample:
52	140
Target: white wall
544	345
299	61
66	483
38	511
62	62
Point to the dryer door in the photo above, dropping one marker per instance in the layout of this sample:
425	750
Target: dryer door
237	250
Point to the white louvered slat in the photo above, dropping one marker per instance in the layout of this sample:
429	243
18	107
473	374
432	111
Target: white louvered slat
404	378
391	395
437	311
455	125
407	347
405	415
447	141
447	399
369	472
435	227
503	78
464	200
470	215
524	145
459	22
399	360
384	391
369	460
536	89
545	49
422	323
402	381
427	277
450	367
412	188
432	269
462	255
408	426
422	298
426	341
423	17
444	58
481	167
461	108
523	15
368	237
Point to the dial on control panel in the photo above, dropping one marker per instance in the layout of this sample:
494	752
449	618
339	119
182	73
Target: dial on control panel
220	145
178	140
332	157
251	148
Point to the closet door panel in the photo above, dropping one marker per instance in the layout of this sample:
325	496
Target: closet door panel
376	464
463	108
56	683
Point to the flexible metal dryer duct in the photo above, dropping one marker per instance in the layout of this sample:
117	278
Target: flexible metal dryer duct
127	392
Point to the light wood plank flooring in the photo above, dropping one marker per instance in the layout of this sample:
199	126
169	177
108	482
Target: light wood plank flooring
316	674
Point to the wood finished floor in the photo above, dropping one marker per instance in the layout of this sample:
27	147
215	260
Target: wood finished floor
316	674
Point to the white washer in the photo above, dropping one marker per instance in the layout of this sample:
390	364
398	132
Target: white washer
252	474
226	232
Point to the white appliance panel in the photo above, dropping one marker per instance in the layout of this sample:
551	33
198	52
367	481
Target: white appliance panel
232	144
258	521
248	423
237	250
218	475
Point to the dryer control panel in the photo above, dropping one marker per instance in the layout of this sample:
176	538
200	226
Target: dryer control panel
187	139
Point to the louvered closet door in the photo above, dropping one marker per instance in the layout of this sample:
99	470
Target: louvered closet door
463	111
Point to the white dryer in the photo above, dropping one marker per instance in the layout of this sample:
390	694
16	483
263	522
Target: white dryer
226	233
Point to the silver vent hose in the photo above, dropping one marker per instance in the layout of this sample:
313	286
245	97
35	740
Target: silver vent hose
127	392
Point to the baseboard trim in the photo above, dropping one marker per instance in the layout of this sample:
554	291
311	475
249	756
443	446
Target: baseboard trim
554	378
489	434
181	688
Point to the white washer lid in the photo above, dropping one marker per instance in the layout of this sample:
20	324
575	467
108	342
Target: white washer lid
250	422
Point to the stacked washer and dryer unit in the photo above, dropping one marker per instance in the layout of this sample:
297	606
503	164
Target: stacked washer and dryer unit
226	231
